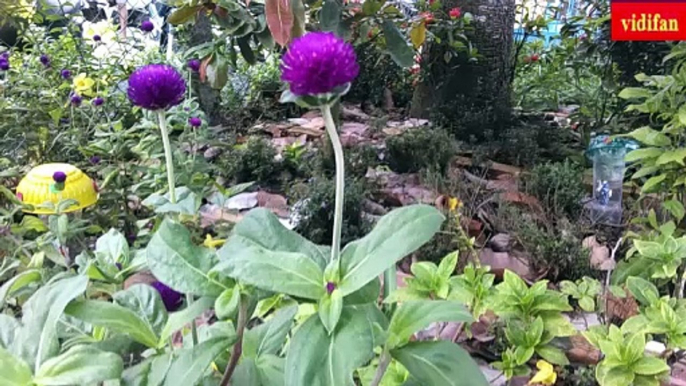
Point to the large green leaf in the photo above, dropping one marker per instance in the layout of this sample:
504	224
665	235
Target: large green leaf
115	318
317	358
18	282
395	236
440	363
112	247
400	50
290	273
270	336
183	15
36	341
668	156
146	302
641	154
179	319
262	228
415	315
650	137
8	330
192	362
180	264
80	365
330	16
267	370
14	371
644	291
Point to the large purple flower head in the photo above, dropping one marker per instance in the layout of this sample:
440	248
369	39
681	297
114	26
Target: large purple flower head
317	63
4	64
172	299
156	87
194	65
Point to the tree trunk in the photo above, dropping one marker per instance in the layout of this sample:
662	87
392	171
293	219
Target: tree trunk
208	98
472	98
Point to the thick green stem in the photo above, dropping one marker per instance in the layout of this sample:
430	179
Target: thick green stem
389	281
194	329
167	155
340	181
384	361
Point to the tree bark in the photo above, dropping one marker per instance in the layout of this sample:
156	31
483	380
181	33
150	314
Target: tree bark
471	95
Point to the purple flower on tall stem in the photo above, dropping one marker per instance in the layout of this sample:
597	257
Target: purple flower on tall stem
172	300
45	60
195	122
65	74
76	100
98	101
156	87
147	26
317	63
194	65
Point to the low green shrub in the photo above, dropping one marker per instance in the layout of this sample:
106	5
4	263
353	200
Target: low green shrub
558	186
420	148
252	161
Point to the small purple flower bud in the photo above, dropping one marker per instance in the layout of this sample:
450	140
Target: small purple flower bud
45	60
194	64
118	265
171	299
98	101
59	177
4	65
195	122
330	287
96	38
95	160
66	74
76	100
147	26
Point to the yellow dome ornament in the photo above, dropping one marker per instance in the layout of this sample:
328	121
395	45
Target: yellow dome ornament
53	183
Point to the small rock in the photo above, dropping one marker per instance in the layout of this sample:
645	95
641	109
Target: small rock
599	255
500	242
212	153
500	261
242	201
354	113
274	202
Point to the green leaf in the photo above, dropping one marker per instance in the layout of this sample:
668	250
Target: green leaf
226	305
676	208
262	228
552	354
316	357
650	366
395	236
15	372
414	316
18	282
269	337
650	137
246	50
644	291
112	247
330	16
418	34
187	202
179	319
191	363
400	50
641	154
290	273
587	304
146	302
330	308
264	371
447	266
183	15
652	182
672	156
8	330
180	264
36	341
115	318
634	93
218	72
615	376
80	365
440	363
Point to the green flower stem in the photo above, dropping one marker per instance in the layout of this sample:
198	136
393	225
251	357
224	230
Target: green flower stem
194	329
389	281
340	181
167	155
384	361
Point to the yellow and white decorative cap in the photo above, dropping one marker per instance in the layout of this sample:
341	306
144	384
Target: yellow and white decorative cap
56	182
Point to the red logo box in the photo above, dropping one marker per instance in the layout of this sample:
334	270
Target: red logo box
641	21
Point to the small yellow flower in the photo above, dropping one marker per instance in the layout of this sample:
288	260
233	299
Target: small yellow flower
83	85
454	203
212	243
545	376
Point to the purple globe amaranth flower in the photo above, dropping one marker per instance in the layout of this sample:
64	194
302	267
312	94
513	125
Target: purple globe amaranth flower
195	121
317	63
95	160
147	26
59	177
4	65
45	60
172	300
65	74
194	64
156	87
76	100
5	55
96	38
98	101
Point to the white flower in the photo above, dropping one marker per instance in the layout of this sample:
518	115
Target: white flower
104	29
